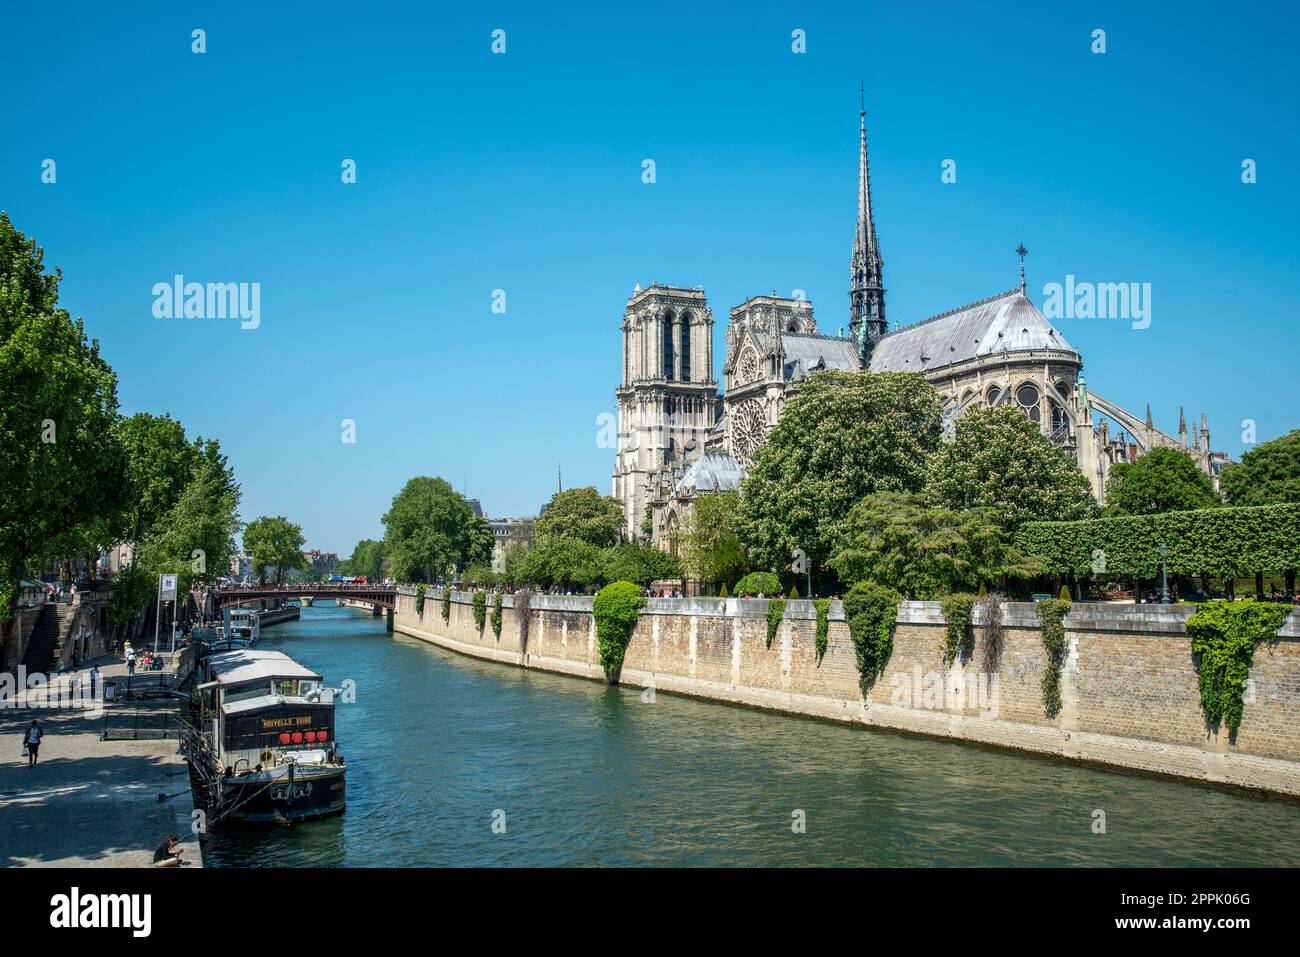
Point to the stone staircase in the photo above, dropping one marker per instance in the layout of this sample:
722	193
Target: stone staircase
43	646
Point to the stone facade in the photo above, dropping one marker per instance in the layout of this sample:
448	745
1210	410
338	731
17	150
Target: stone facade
1129	686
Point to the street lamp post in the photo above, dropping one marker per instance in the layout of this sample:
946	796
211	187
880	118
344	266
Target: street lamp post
1164	578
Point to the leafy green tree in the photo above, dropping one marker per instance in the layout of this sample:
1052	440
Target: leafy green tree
1269	474
429	528
711	548
196	537
583	514
61	467
1163	480
898	540
999	460
367	559
567	562
160	463
638	563
273	541
842	436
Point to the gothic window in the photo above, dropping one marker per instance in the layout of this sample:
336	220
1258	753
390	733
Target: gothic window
1027	397
668	346
1060	421
994	394
748	429
748	367
1064	389
686	347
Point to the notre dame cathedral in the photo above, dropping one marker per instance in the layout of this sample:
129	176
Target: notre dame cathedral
679	438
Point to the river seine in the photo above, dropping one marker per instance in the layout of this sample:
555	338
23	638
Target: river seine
456	761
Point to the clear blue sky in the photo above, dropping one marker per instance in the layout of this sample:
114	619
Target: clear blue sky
523	172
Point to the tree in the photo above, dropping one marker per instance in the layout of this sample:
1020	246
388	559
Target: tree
1269	474
638	563
61	467
197	535
583	514
160	462
898	540
429	528
556	561
1163	480
711	549
842	436
367	559
273	541
999	459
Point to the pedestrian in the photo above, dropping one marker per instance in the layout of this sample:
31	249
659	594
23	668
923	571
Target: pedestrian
32	742
94	677
130	662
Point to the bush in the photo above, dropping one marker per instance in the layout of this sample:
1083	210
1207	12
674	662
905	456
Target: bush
1224	542
496	615
958	612
1051	616
419	599
724	593
775	612
1065	593
480	610
1224	638
871	611
758	583
616	609
794	592
446	603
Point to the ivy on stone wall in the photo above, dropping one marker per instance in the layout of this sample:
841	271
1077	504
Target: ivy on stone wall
523	602
616	609
1224	638
446	604
496	615
823	606
419	600
1051	617
988	612
958	612
480	610
871	612
775	612
1223	542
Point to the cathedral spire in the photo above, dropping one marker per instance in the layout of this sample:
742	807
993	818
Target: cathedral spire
866	271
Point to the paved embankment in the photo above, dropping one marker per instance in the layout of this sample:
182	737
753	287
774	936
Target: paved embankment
87	802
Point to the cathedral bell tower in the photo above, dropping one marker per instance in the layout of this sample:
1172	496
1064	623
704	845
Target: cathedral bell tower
866	272
668	397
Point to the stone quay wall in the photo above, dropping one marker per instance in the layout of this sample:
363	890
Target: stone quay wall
1129	688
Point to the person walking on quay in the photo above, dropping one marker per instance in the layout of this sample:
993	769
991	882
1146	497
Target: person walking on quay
32	742
130	662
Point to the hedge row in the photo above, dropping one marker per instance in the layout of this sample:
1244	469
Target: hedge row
1223	542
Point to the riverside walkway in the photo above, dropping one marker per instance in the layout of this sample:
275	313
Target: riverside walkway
88	802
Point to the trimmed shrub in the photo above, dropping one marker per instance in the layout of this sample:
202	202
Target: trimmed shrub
794	592
616	609
1224	637
758	583
1224	542
724	593
871	611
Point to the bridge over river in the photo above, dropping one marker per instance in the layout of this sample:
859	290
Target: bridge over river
381	599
